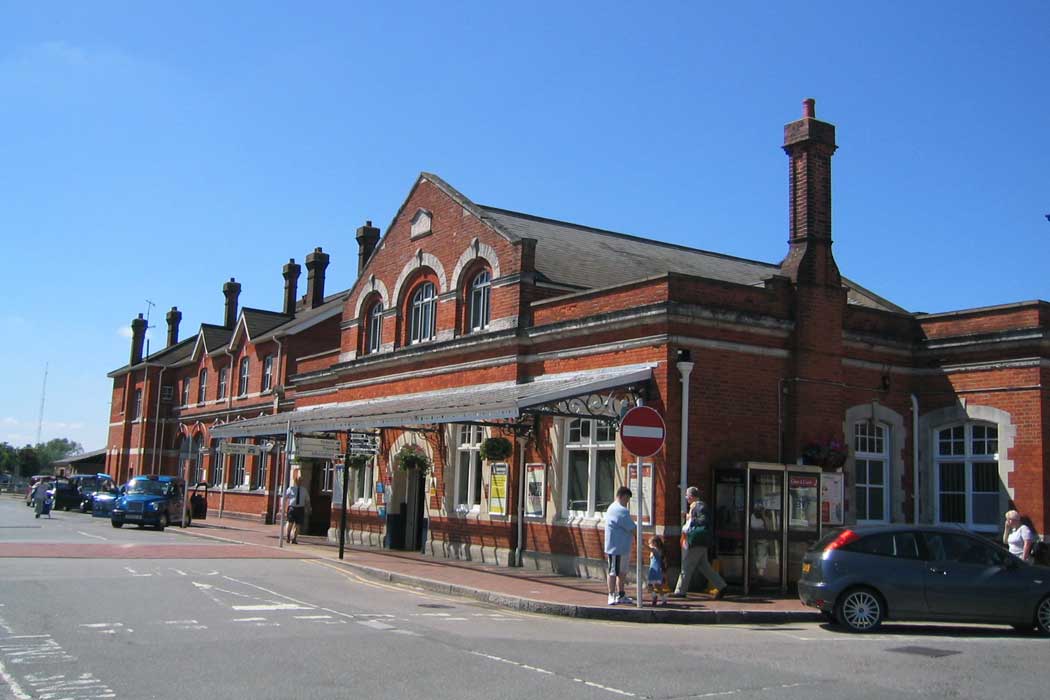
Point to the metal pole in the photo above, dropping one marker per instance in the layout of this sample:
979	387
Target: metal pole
638	531
287	476
342	518
521	502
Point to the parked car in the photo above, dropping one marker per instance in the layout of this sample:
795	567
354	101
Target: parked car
87	486
151	500
860	576
102	502
33	480
64	494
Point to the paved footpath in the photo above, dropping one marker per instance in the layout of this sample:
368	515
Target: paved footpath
519	589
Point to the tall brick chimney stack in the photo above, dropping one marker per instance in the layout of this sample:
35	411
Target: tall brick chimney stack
174	319
232	291
138	338
316	264
809	144
291	285
367	239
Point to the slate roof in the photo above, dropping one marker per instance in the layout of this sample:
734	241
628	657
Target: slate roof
215	337
589	258
259	321
167	356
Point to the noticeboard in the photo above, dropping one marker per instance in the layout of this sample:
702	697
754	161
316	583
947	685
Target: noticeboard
535	489
831	498
646	502
498	489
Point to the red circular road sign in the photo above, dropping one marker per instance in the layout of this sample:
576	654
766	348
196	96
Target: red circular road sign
642	431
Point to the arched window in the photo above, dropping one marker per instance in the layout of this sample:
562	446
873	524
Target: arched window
967	475
202	386
480	290
242	387
423	314
197	459
374	328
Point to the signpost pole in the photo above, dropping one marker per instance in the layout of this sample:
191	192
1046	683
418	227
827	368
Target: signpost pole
642	432
342	517
638	530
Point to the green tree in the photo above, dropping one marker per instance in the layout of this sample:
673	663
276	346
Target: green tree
8	459
28	461
53	450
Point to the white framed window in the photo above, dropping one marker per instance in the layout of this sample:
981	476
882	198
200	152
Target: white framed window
186	391
468	468
202	386
242	385
423	314
137	408
375	328
258	476
223	375
871	467
480	290
327	475
218	467
590	467
267	373
361	486
966	474
237	467
197	458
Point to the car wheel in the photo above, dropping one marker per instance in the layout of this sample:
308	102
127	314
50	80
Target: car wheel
1042	615
114	523
162	522
859	610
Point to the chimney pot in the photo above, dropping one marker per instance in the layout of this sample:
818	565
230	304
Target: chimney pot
316	264
232	291
809	108
174	318
291	286
367	240
138	338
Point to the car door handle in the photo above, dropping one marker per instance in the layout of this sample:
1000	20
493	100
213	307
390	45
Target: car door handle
938	570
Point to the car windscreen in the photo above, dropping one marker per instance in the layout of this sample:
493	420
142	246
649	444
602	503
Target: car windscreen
145	486
89	484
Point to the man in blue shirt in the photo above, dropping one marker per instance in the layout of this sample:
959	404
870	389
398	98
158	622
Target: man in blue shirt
619	534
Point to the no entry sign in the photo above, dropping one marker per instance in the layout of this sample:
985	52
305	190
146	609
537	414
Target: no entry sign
642	431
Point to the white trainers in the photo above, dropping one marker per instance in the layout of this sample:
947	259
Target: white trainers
612	599
624	599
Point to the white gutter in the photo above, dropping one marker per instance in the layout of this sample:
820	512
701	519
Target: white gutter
915	457
156	417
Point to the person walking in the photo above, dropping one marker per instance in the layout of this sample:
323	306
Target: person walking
296	503
1018	536
657	578
696	538
40	498
619	534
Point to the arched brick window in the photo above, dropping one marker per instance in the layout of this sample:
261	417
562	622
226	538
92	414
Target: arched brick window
479	301
423	314
372	327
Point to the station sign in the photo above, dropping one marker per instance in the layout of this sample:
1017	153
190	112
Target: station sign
318	448
363	443
242	448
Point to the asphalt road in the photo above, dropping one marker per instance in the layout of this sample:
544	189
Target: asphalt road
185	617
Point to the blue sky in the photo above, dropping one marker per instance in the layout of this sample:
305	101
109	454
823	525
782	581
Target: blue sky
154	150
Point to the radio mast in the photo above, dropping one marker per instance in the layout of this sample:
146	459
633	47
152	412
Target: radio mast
40	420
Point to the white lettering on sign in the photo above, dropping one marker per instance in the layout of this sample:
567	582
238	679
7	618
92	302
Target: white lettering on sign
642	431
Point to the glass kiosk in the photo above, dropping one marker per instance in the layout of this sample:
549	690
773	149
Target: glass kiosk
766	517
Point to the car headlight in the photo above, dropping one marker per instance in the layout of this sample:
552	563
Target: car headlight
153	505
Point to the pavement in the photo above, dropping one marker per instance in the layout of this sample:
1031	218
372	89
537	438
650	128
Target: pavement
514	588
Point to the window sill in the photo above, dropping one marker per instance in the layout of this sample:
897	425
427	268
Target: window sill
594	521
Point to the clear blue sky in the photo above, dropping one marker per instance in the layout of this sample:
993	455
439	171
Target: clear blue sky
153	150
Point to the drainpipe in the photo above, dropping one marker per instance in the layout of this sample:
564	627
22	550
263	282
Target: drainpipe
276	409
915	456
160	388
521	501
685	367
229	410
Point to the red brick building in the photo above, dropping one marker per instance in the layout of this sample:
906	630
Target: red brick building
468	322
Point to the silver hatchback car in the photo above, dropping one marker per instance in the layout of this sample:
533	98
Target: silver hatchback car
860	576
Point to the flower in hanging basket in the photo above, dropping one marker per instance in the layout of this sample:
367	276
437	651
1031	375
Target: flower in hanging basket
830	455
412	457
358	461
496	448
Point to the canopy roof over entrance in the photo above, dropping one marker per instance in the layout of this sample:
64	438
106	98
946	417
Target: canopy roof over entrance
569	393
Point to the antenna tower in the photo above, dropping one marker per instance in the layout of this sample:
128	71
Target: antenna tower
149	307
40	420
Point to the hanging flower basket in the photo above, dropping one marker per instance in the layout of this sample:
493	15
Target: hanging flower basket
358	461
830	455
496	448
412	457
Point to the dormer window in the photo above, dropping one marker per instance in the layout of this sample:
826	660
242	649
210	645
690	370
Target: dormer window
479	300
421	224
423	314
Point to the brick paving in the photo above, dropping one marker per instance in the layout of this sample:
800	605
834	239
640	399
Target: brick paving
520	589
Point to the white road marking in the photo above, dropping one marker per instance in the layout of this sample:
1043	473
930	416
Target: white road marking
408	632
513	663
431	615
16	690
97	537
599	686
313	617
375	624
272	606
59	686
749	691
94	625
133	572
37	648
249	619
179	572
453	619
